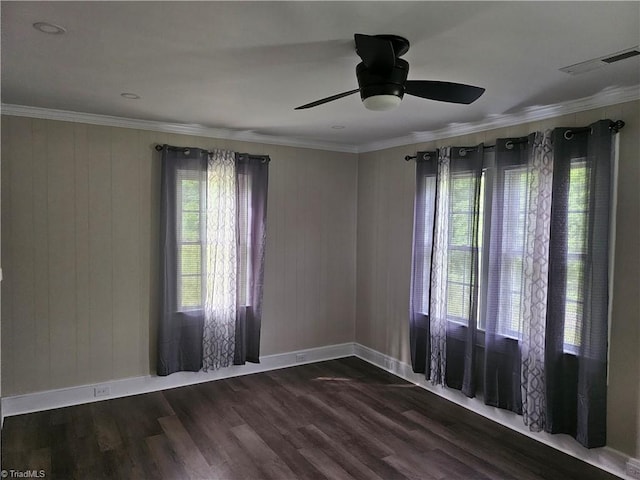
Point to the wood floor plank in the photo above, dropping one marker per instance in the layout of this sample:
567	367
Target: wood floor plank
443	465
265	458
340	419
325	464
283	416
409	469
62	465
40	459
181	442
341	455
105	426
165	458
286	445
207	428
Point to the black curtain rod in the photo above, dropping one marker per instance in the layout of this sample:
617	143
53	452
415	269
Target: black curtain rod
485	147
614	126
186	150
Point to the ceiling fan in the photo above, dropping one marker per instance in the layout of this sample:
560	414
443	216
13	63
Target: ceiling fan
382	77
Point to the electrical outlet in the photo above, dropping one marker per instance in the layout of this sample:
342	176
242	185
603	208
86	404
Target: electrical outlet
301	357
101	391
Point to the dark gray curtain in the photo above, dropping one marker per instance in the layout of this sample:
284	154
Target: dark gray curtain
502	352
424	209
179	332
252	181
576	376
460	289
465	175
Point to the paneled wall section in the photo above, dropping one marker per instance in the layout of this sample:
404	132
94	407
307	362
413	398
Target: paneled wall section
79	220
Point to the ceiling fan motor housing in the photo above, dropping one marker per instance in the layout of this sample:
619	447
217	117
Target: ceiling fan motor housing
389	82
382	77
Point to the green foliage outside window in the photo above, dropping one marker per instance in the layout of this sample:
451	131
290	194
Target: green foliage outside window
461	213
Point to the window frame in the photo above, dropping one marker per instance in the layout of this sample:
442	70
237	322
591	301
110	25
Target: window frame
466	286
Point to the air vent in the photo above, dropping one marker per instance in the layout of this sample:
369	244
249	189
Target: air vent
596	63
621	56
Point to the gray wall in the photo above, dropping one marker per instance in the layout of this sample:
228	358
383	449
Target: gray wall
386	185
79	248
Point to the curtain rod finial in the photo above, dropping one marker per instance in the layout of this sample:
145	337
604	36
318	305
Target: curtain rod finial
408	157
616	126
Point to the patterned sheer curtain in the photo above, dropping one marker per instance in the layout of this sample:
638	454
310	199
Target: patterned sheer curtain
536	281
220	263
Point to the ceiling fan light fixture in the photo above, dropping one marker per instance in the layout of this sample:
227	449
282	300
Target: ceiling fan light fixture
380	103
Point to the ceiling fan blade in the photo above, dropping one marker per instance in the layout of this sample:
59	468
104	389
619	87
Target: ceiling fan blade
376	53
328	99
443	91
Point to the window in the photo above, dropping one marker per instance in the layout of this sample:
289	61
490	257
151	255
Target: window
514	207
514	203
460	286
576	253
189	192
192	253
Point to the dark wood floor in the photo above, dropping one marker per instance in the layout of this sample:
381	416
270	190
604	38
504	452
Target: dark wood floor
341	419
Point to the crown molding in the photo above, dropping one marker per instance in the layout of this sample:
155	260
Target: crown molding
185	129
608	96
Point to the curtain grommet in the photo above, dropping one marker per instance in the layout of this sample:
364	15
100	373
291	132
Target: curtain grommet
462	152
509	145
426	156
568	135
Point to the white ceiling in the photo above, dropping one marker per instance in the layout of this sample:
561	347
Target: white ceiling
244	66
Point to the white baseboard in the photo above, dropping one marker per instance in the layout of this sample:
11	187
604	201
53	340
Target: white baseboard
633	468
64	397
605	458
